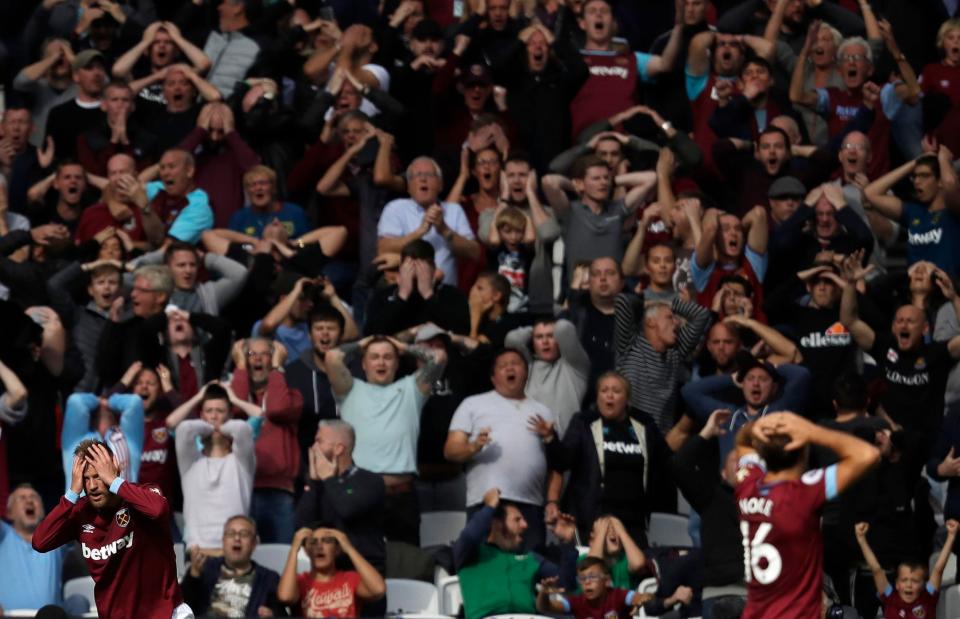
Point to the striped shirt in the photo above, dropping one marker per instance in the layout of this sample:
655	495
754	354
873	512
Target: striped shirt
654	376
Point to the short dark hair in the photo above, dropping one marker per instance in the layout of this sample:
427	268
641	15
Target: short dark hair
850	392
758	61
518	156
324	312
931	162
500	513
499	283
733	278
214	392
583	164
506	351
774	130
176	246
660	244
587	562
775	454
418	249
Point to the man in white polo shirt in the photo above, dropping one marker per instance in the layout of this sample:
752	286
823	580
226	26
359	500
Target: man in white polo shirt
495	435
423	216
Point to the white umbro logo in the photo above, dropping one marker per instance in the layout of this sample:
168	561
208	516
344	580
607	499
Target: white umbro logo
88	528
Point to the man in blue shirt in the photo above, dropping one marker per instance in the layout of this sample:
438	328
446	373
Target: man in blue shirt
931	218
31	579
260	184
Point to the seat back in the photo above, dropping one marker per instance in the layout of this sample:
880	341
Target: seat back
668	530
412	597
441	528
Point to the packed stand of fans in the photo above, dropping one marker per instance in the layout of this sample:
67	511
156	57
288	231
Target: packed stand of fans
307	270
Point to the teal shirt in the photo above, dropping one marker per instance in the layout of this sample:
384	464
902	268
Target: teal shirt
386	419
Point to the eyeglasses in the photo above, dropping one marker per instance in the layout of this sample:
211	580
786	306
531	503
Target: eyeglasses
423	175
853	57
921	175
254	353
242	534
487	161
853	146
590	577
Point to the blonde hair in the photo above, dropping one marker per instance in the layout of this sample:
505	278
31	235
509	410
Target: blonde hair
945	28
511	217
260	170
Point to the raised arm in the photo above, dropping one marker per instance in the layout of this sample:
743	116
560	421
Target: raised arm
757	229
879	575
288	591
555	188
780	345
862	333
183	411
341	381
936	574
434	361
665	61
798	94
876	195
705	252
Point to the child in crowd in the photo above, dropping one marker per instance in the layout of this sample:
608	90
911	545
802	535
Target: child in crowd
908	597
512	236
610	542
599	598
325	591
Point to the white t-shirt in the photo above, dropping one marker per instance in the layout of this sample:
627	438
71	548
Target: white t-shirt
514	461
402	216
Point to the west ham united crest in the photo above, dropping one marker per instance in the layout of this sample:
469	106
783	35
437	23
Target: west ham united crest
123	517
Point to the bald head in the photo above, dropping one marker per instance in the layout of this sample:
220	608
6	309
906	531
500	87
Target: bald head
120	165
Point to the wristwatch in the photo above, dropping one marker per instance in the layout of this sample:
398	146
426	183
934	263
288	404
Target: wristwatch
666	126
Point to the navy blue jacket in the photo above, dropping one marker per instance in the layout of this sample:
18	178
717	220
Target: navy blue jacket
197	591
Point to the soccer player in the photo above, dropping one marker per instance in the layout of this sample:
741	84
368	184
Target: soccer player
779	503
124	533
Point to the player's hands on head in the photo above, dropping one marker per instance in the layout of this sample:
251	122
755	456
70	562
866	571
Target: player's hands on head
76	475
796	427
107	467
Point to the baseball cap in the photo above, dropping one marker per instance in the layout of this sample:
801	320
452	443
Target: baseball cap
746	362
428	332
476	74
427	30
786	186
86	57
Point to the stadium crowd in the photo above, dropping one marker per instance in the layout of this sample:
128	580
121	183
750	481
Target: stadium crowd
303	270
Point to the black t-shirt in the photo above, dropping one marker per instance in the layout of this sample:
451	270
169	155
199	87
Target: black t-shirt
828	351
914	381
624	462
69	120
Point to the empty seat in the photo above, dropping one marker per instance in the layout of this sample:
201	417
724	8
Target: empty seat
274	556
668	530
451	599
412	597
441	528
80	586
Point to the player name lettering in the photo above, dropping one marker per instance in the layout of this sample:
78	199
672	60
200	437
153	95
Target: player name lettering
620	72
930	237
105	552
756	505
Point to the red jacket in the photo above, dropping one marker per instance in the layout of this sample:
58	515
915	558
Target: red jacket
277	448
